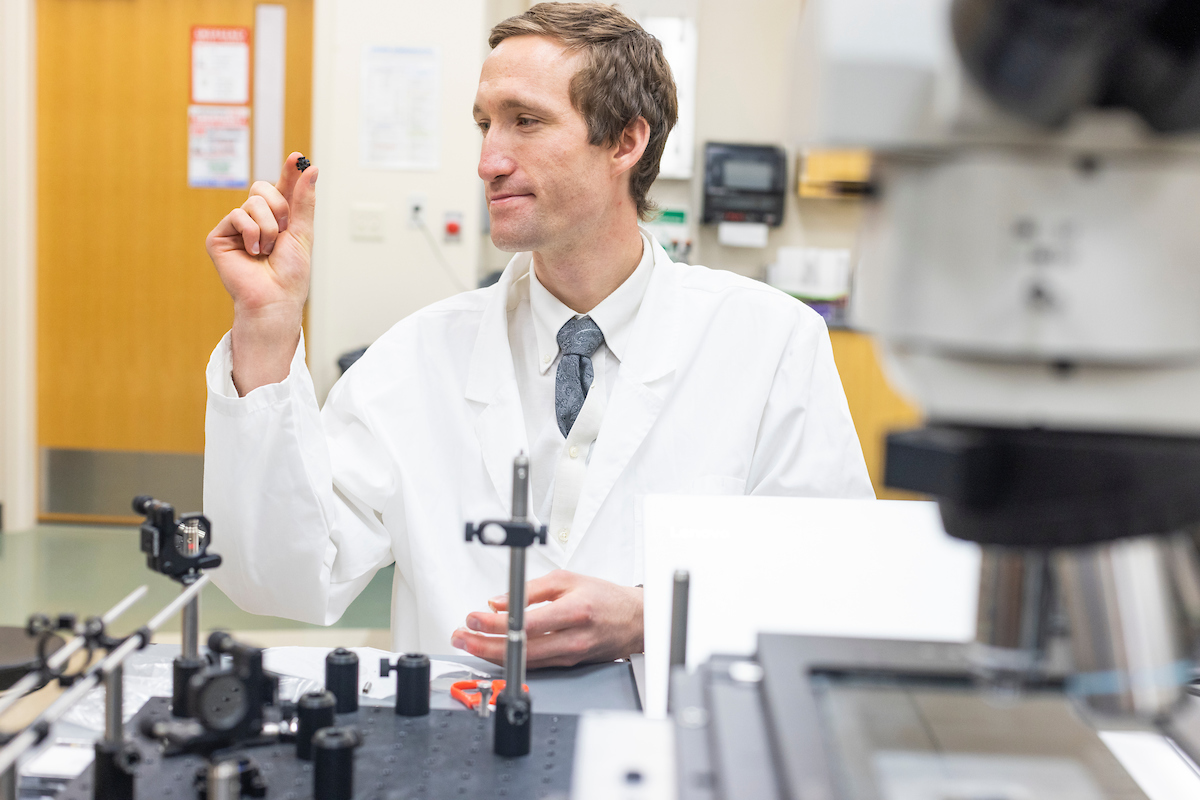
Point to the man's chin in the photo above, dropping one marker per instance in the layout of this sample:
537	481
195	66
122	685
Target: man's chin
514	241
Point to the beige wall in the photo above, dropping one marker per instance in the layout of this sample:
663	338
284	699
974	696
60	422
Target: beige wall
742	95
18	483
361	288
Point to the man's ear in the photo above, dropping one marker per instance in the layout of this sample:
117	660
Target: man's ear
631	145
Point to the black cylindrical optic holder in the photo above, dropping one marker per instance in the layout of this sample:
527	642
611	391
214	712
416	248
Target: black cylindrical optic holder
314	711
412	683
341	678
112	771
182	672
514	724
333	763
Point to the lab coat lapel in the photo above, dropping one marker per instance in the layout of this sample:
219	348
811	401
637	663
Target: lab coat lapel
492	382
643	384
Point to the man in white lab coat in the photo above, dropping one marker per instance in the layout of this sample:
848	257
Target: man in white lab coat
619	372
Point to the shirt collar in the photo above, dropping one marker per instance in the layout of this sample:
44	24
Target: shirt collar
614	315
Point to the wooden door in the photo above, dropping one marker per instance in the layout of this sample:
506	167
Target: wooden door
129	306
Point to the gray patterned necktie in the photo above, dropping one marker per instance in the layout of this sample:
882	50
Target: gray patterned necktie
577	340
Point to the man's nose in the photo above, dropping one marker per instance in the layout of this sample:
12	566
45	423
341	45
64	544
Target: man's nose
495	161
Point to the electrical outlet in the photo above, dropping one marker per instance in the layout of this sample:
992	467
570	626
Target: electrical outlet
417	210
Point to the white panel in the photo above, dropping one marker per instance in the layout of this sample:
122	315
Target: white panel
17	258
880	569
270	67
912	32
678	37
1160	770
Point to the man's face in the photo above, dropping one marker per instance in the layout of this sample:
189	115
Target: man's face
545	185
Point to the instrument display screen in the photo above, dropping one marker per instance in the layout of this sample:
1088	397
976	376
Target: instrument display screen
755	176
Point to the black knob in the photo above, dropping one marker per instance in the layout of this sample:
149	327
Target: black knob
412	683
341	678
314	711
333	763
514	725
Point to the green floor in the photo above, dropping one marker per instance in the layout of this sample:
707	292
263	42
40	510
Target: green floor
85	570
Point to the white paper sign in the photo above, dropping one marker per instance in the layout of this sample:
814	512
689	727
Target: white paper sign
221	65
219	147
400	108
679	39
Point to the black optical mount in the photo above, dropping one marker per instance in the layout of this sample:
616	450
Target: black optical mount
514	709
179	550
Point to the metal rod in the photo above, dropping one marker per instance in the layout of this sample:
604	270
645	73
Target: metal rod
520	503
113	661
63	654
184	598
679	618
8	784
114	706
514	652
189	626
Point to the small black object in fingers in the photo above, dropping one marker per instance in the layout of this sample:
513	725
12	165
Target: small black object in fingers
303	163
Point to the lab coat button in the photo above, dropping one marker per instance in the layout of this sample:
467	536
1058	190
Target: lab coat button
574	452
563	535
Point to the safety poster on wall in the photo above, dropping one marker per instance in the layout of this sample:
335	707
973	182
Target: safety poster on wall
221	65
219	111
219	147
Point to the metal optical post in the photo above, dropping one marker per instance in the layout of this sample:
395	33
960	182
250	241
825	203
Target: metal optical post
514	711
94	675
179	550
514	653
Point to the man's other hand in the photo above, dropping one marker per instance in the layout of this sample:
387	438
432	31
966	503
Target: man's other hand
585	620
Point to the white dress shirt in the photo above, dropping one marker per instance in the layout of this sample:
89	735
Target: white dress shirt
558	464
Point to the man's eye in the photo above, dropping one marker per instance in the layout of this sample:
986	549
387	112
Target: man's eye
525	122
482	125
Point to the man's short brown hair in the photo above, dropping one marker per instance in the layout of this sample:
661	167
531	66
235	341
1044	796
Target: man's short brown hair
624	76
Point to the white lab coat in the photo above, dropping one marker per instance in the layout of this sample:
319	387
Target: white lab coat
728	387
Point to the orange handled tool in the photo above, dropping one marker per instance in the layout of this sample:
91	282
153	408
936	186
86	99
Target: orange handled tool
459	691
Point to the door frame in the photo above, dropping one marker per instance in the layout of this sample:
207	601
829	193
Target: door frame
18	302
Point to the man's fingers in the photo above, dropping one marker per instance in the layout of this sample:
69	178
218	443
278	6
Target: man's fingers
489	648
288	176
268	228
559	615
244	225
274	200
563	649
487	623
550	586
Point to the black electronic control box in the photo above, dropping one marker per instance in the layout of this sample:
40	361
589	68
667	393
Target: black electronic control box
744	183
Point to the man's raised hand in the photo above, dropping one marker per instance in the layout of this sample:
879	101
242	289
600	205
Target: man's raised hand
262	252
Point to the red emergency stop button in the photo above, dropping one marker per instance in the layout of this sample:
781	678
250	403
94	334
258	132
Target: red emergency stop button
452	227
